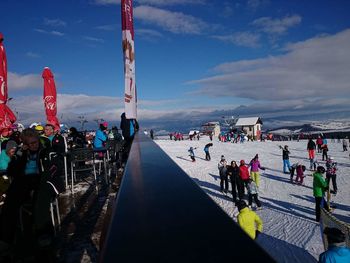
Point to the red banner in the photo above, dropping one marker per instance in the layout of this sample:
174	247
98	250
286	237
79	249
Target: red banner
6	115
50	98
129	59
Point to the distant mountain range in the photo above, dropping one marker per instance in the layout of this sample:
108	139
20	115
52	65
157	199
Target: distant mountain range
278	122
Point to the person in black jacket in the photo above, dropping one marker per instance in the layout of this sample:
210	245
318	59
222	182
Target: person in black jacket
56	140
34	179
128	127
311	147
285	157
76	139
236	182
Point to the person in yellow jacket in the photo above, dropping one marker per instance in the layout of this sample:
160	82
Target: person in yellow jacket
248	220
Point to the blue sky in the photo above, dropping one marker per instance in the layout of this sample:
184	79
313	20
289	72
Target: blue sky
192	57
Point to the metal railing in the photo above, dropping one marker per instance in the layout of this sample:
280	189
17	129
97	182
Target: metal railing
161	215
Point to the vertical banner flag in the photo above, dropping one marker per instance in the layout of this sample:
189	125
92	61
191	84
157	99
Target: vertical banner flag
6	115
50	98
129	59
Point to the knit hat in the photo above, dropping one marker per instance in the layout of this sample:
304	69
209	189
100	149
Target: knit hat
222	157
10	145
105	124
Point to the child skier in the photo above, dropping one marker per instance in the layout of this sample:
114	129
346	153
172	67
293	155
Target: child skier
191	151
300	174
253	193
313	164
249	221
324	148
331	173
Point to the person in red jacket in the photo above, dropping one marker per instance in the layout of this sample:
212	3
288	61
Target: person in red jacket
244	173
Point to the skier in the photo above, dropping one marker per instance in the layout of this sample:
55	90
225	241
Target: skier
319	187
292	171
313	164
345	144
311	146
319	143
324	148
300	174
285	156
249	221
222	166
236	182
151	134
206	150
254	169
253	193
331	173
244	173
191	151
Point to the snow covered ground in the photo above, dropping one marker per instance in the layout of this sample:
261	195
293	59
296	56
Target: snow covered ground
290	232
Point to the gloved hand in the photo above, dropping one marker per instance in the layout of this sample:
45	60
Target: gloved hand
257	233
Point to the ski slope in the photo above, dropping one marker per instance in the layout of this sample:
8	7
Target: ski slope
290	232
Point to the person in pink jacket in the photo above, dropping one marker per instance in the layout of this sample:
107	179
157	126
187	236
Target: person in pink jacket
254	170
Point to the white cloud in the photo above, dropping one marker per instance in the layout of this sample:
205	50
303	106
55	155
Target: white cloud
31	108
106	2
175	22
170	2
245	39
110	27
277	26
54	22
56	33
22	82
94	39
52	32
70	106
255	4
148	34
318	67
151	2
32	55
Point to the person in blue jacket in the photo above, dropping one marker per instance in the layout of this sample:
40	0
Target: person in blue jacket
337	251
101	136
206	150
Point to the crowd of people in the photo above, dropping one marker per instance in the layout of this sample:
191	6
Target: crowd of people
32	174
244	181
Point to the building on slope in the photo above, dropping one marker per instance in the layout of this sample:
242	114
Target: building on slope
251	126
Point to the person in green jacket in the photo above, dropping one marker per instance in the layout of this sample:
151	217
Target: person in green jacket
248	220
319	187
